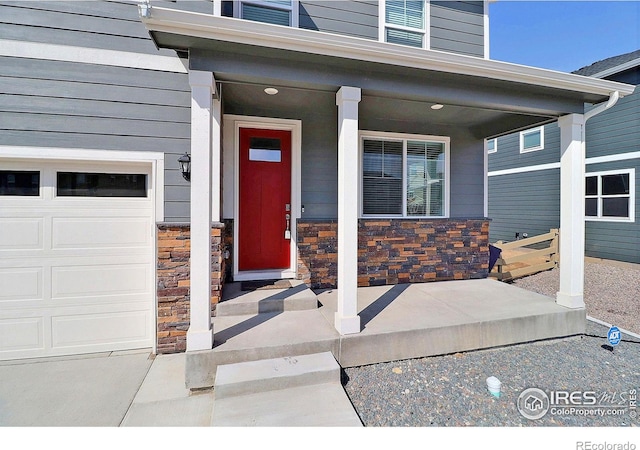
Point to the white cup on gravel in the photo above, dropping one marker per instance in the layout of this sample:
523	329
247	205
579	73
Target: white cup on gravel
494	385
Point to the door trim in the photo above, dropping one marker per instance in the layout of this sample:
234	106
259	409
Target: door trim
231	183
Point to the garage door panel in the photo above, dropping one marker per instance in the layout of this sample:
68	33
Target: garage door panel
21	233
99	280
21	334
76	272
100	232
108	328
21	284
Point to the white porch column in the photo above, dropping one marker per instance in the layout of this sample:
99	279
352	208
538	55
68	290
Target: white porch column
572	234
216	157
347	320
200	333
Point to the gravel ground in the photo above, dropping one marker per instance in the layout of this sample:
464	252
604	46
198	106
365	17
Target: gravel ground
611	292
451	390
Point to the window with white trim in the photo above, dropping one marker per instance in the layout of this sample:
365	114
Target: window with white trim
491	145
276	12
532	140
405	23
610	196
404	175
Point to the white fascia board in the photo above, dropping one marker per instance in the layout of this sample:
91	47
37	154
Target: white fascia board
240	31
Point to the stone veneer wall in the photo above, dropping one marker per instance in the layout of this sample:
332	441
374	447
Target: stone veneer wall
173	281
392	251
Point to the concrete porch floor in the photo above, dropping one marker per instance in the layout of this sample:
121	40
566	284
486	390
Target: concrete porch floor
397	322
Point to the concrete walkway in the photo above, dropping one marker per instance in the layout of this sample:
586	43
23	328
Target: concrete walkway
134	389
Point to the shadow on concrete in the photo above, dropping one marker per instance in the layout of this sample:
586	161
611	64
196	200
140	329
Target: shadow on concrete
268	308
375	308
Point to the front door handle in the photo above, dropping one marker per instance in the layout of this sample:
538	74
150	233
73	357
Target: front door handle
287	231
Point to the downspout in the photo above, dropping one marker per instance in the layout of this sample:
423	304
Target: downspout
613	99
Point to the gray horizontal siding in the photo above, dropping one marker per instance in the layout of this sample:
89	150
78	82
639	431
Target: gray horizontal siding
105	25
353	18
524	203
76	105
616	130
467	177
615	240
89	74
458	27
508	155
113	93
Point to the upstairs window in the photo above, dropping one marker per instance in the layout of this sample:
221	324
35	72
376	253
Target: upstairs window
492	145
610	195
404	176
276	12
532	140
405	23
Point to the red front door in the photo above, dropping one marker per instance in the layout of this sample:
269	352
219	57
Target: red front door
265	200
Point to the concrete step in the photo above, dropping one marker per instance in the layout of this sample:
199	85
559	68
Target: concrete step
238	303
254	377
318	405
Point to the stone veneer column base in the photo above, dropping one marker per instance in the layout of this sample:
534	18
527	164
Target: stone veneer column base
173	281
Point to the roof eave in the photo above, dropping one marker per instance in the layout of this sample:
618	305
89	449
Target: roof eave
617	69
295	39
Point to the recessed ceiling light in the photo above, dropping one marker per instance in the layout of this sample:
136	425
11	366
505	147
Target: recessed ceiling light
271	91
437	106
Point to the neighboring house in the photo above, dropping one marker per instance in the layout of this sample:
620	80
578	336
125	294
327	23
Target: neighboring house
524	174
338	142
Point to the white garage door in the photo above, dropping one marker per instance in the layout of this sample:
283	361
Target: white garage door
76	258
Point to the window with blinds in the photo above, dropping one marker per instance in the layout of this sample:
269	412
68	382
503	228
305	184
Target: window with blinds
405	22
425	178
382	177
403	177
276	12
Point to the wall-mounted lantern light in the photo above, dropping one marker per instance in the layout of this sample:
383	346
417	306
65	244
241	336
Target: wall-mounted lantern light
185	166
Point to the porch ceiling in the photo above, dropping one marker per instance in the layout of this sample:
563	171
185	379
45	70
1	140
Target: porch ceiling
374	109
489	98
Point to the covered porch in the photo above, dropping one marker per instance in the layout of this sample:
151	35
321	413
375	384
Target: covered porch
333	93
397	322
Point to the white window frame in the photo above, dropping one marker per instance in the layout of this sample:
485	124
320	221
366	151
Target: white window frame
294	9
495	145
382	24
404	137
632	196
531	131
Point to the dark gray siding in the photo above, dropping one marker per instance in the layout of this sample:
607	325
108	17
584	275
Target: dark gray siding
524	203
353	18
615	240
458	27
77	105
616	130
508	155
